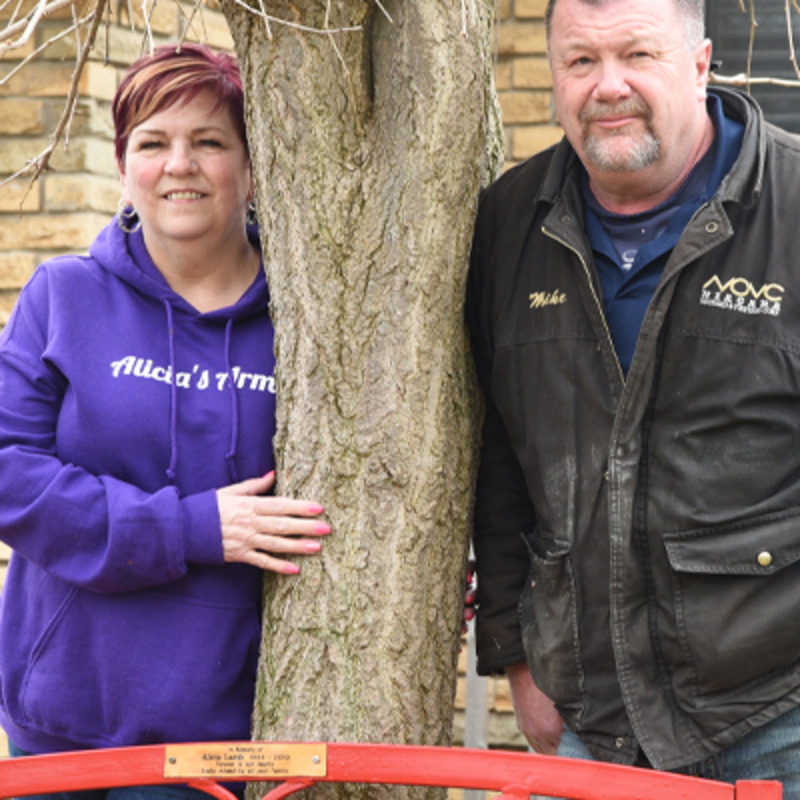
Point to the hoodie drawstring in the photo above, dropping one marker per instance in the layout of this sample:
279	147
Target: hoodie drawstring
230	457
173	411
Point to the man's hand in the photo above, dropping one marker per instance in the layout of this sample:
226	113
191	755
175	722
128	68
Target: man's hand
536	714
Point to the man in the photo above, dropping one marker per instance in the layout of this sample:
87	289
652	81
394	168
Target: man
633	301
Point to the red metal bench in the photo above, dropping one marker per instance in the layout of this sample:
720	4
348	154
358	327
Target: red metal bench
299	765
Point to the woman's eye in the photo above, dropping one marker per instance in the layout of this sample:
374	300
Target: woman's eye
211	143
149	145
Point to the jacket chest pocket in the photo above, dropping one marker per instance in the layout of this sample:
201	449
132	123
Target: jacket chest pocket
737	601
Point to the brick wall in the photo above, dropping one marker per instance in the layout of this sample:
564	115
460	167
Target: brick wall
66	208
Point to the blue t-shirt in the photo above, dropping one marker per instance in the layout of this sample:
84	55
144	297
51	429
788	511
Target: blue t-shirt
631	251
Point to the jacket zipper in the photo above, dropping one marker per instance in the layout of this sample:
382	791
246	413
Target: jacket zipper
594	295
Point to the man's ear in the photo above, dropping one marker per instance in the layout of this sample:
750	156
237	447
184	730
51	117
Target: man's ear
702	62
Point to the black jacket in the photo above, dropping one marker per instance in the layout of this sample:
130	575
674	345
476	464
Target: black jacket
638	539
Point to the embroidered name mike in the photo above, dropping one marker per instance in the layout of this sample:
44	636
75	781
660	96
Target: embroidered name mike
542	299
738	294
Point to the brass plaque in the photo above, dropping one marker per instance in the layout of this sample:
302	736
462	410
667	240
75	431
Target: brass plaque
245	760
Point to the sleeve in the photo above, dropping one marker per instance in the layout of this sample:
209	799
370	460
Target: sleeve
94	531
503	510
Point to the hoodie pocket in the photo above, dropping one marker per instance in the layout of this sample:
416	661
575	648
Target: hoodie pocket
737	600
144	667
550	634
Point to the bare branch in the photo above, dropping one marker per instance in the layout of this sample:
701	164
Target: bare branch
792	55
43	47
295	25
743	79
23	25
42	162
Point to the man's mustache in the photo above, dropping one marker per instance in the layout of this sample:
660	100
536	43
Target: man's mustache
632	107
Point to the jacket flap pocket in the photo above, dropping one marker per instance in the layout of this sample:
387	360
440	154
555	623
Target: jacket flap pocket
758	546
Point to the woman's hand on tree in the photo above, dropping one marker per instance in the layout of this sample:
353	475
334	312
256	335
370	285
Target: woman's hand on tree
257	529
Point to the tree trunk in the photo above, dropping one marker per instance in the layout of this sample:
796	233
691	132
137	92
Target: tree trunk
367	180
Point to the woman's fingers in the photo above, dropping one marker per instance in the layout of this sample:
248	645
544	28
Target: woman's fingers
255	528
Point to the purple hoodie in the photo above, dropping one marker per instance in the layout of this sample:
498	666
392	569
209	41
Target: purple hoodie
122	409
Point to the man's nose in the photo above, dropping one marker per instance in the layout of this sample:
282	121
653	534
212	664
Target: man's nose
612	83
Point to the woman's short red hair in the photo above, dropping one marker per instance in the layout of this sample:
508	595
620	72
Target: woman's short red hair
175	74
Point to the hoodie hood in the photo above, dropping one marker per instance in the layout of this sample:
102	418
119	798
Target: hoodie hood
125	255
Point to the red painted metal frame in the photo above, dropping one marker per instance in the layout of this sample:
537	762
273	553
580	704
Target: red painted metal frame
515	775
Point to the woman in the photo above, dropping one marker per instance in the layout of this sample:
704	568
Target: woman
136	419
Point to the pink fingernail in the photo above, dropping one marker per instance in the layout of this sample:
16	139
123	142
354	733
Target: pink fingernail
322	527
315	508
313	547
292	569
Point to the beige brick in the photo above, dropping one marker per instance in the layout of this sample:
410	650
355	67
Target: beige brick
5	552
521	38
532	72
504	10
163	17
15	269
502	76
92	118
523	108
21	117
82	155
462	658
51	231
80	192
530	9
7	300
209	27
18	196
526	142
501	695
461	694
46	79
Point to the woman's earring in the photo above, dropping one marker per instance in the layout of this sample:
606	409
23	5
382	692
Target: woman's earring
127	218
251	218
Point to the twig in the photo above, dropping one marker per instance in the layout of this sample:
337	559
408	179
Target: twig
743	79
751	46
21	25
385	12
295	25
42	48
792	56
42	161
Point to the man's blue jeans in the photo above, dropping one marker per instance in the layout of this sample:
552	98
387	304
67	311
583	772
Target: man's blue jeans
771	752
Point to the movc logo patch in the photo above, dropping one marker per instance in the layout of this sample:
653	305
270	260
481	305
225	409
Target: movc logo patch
738	294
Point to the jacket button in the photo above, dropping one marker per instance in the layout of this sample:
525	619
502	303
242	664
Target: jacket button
620	743
765	558
712	227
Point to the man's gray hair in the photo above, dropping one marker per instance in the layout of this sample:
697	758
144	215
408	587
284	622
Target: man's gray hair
692	10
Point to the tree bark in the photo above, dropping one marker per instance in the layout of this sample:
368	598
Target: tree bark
368	158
